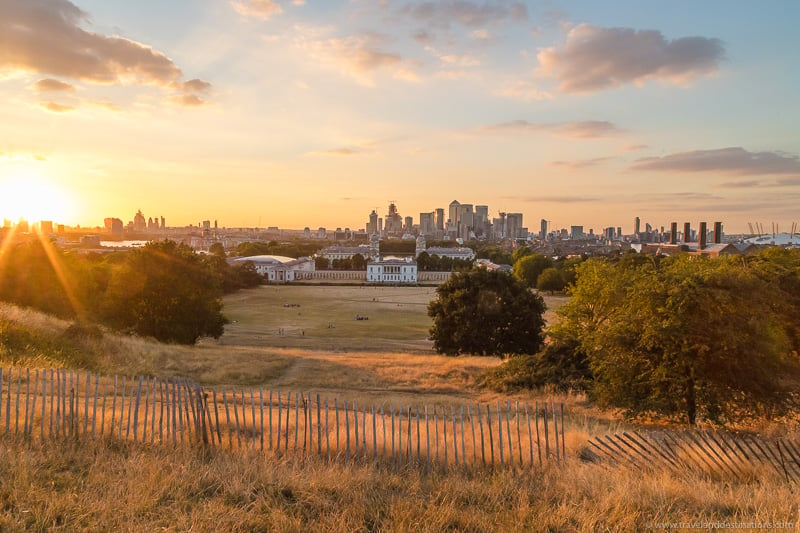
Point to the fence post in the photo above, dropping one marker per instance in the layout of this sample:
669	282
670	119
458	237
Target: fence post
508	434
546	435
555	433
327	432
489	427
355	423
455	435
286	432
86	403
347	432
428	442
261	418
253	413
319	427
530	435
136	409
33	402
94	405
374	436
500	435
280	414
563	443
270	419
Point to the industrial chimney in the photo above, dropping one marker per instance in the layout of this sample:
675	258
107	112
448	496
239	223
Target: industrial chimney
673	233
717	232
687	232
701	237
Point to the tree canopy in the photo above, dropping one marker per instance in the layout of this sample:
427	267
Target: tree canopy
528	267
164	290
480	312
687	338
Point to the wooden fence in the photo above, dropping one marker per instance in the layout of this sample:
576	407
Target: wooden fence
716	453
64	404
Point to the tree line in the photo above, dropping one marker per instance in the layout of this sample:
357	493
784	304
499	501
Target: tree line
685	338
163	290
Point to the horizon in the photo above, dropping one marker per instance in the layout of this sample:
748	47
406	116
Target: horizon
261	113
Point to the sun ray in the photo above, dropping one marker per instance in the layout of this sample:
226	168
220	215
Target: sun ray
58	268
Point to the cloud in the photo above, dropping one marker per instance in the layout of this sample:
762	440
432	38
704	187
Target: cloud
359	57
262	9
424	37
741	184
343	151
523	90
580	163
587	129
463	60
594	58
106	105
188	100
466	13
51	85
44	36
633	147
194	86
733	161
553	199
56	107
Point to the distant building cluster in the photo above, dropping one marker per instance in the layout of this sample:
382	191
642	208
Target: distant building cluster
463	221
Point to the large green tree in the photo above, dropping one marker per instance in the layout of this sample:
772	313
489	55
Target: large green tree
528	267
166	291
688	338
486	313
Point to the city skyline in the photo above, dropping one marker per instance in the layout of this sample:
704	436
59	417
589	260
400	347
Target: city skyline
293	114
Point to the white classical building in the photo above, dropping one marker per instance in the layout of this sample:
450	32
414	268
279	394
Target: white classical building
392	270
344	252
280	269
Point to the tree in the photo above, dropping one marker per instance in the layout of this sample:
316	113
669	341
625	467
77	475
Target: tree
486	313
321	263
528	268
166	291
358	262
689	338
550	280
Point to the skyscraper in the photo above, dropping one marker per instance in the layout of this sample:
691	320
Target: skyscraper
439	219
543	230
514	225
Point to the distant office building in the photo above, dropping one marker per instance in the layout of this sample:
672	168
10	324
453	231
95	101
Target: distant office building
636	226
372	225
439	219
514	226
46	227
113	225
427	225
394	222
454	213
408	226
576	233
139	222
466	221
543	229
163	223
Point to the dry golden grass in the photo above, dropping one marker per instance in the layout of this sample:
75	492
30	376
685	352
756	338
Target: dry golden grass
135	488
121	486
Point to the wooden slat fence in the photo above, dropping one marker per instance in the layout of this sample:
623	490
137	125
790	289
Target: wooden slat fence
52	404
715	453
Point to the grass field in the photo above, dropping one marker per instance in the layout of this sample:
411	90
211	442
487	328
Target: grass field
116	485
324	317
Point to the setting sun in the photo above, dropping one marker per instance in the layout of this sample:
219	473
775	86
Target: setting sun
25	194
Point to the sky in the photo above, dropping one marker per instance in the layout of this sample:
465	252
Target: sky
297	113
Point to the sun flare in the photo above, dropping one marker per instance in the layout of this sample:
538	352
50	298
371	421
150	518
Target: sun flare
26	194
